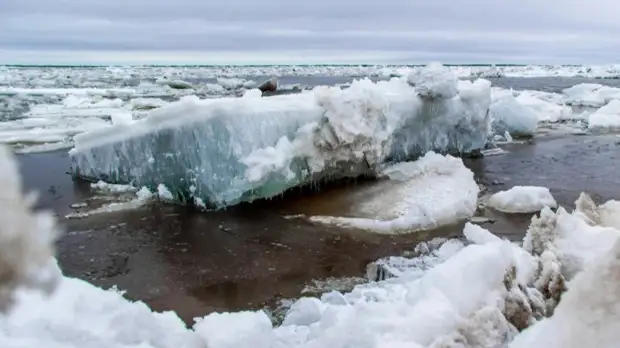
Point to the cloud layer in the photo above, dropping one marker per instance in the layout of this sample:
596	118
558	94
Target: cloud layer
321	31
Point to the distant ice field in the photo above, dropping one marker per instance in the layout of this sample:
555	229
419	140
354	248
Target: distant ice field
42	108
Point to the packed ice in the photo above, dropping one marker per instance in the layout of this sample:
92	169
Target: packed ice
232	150
558	288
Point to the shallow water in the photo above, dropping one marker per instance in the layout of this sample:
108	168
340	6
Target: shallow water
251	256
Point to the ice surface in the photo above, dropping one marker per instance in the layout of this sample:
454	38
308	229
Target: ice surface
522	199
508	115
430	192
232	150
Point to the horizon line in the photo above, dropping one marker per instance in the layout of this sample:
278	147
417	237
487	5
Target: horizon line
17	65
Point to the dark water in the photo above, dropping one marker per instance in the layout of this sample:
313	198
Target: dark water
251	256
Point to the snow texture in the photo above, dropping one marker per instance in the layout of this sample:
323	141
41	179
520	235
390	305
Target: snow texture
522	199
433	191
233	150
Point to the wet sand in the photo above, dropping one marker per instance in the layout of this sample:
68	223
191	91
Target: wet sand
250	256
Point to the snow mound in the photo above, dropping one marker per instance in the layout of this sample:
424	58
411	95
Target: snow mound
433	191
522	199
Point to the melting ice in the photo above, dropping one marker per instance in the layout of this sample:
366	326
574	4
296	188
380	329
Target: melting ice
231	150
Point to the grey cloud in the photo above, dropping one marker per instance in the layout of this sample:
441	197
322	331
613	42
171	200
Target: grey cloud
563	31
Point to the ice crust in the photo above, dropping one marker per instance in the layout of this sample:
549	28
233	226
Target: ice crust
232	150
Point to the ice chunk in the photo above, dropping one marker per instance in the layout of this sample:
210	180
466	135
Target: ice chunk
508	115
428	193
434	81
240	149
591	94
522	199
547	111
607	117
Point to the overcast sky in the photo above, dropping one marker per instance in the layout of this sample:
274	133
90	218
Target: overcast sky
303	31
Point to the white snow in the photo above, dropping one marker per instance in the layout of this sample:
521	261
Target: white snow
522	199
433	191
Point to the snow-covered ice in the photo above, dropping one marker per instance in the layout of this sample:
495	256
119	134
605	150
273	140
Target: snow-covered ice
430	192
232	150
522	199
480	291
